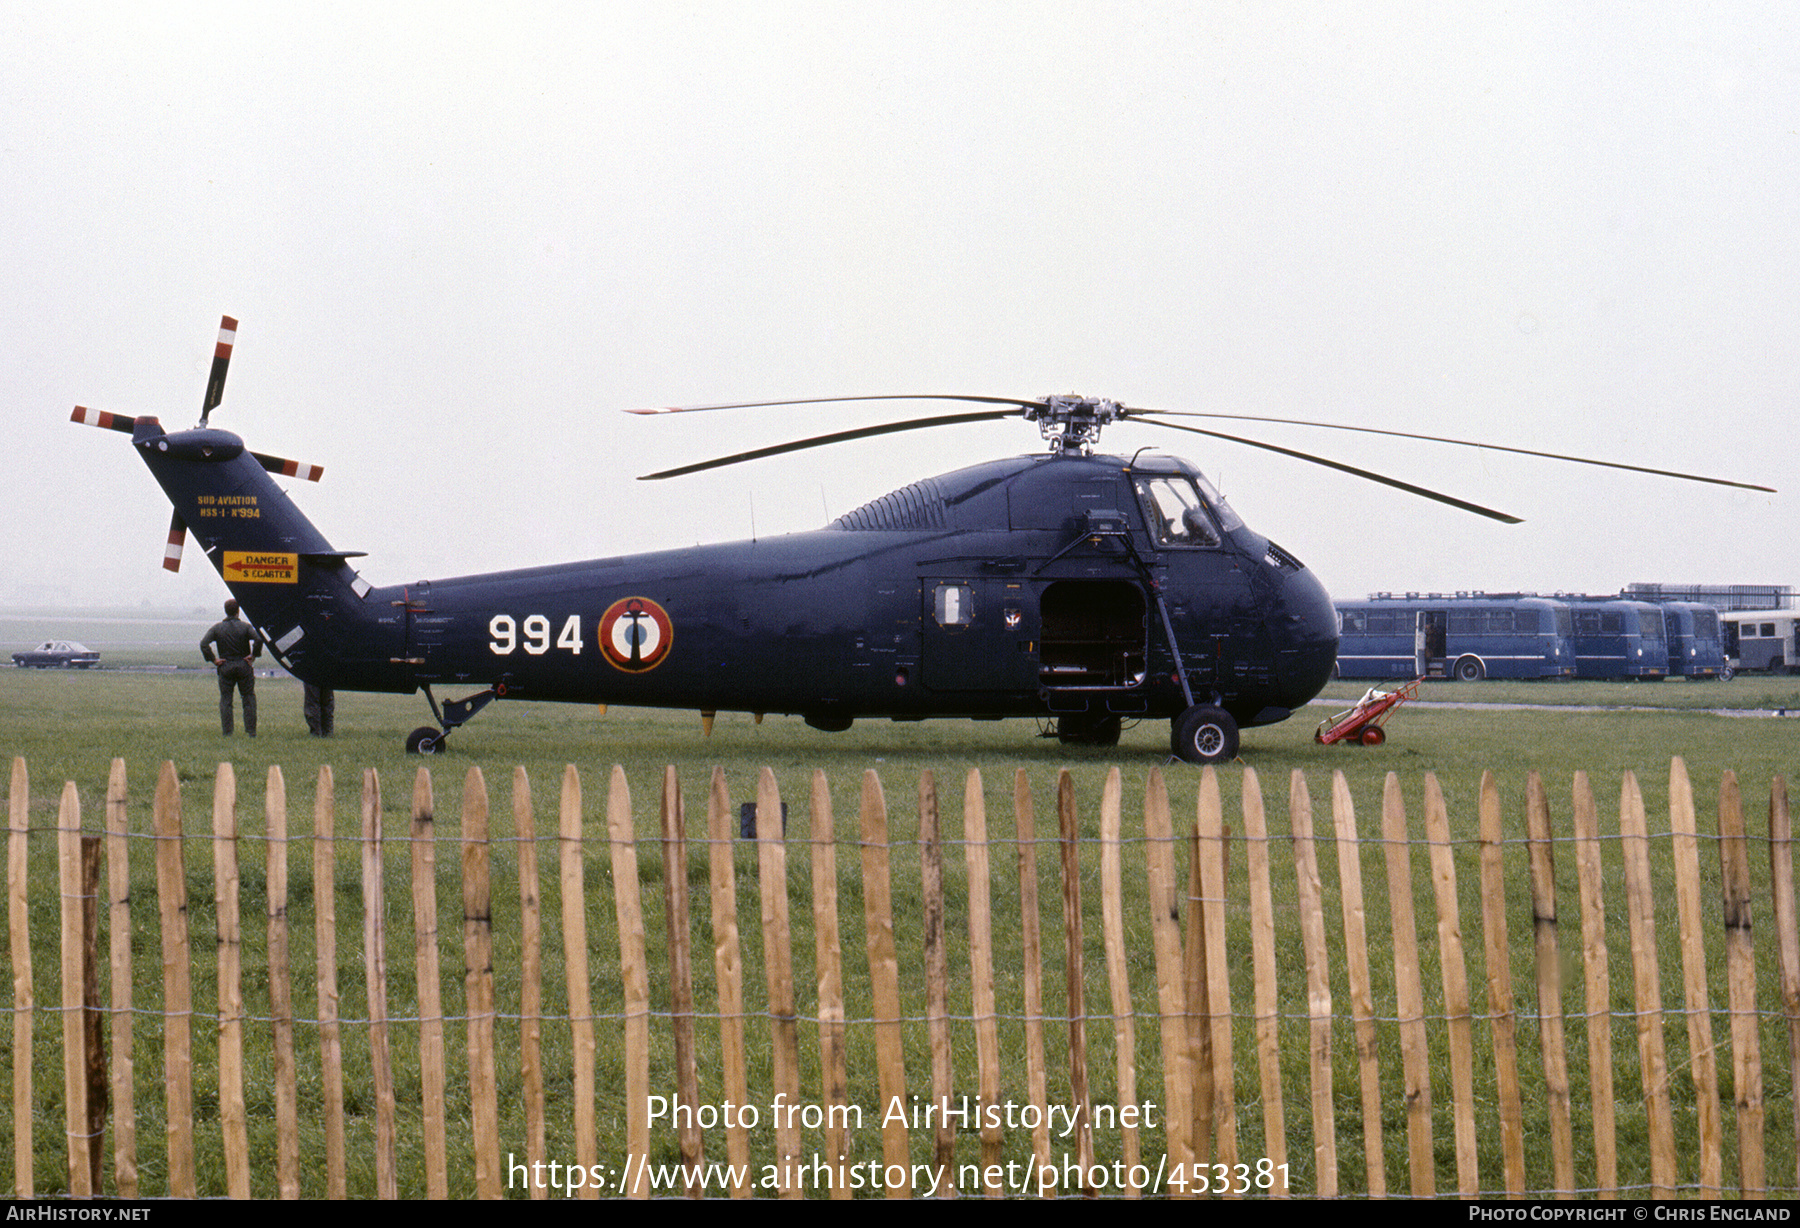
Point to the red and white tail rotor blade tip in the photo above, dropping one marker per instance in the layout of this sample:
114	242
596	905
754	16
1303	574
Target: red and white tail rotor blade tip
215	383
177	539
289	469
102	419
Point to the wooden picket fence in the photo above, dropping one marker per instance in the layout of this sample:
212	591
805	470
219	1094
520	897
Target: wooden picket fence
1218	1051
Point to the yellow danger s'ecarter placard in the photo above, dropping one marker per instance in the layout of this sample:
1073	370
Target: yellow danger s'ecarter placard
262	568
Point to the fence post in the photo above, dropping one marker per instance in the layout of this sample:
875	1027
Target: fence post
829	956
1597	984
1362	1005
422	849
1267	998
1409	990
1453	965
18	915
172	905
1209	830
981	974
1740	965
281	998
1640	907
478	985
1703	1060
728	971
68	861
681	976
1549	984
1502	1020
884	974
937	984
575	971
1069	833
1318	985
1171	977
531	981
1118	979
93	1032
1787	932
118	890
628	915
1032	975
374	894
331	1048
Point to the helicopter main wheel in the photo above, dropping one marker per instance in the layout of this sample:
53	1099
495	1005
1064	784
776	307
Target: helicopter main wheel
1372	736
1087	730
1470	669
425	741
1204	734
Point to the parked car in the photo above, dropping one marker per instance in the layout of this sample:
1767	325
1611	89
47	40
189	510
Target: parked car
57	654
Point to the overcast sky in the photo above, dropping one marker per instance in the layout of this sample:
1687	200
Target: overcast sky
460	241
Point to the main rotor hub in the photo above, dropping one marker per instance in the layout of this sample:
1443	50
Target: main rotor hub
1071	424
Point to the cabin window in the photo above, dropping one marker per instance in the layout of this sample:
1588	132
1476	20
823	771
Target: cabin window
954	605
1174	512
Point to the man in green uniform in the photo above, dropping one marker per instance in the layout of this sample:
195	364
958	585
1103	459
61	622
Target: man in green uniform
237	646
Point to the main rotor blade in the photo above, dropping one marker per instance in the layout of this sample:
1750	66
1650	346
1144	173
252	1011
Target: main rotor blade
215	383
818	441
904	396
1466	443
1396	483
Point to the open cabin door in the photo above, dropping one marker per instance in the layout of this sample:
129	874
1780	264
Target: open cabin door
1095	635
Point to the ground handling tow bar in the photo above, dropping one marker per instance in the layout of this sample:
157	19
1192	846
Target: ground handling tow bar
1362	722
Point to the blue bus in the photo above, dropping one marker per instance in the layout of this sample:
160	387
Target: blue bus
1696	649
1615	638
1468	636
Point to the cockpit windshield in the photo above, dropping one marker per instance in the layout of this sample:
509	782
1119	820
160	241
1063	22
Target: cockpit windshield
1228	518
1174	512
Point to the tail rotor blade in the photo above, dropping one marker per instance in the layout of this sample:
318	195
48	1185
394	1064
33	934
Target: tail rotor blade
289	469
215	383
102	419
177	539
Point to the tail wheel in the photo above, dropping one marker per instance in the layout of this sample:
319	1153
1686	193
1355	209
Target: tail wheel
1204	734
425	741
1373	736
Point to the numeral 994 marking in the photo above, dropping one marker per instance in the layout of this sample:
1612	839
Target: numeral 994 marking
533	635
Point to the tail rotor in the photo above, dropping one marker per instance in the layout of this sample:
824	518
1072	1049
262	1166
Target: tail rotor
215	393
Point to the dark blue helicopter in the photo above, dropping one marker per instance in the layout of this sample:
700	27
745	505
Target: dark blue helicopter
1082	588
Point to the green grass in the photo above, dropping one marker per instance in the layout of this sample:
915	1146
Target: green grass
69	726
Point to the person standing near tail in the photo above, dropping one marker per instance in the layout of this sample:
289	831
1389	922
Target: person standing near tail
237	646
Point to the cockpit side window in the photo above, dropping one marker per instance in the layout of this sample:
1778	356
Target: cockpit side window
1174	512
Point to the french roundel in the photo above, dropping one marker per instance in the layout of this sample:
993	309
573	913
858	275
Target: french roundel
635	634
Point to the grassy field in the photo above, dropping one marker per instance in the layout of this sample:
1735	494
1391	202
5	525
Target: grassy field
69	726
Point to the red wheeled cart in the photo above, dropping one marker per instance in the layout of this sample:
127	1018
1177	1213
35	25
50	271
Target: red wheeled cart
1362	723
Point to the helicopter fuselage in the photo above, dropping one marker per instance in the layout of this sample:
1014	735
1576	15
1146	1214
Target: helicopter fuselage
1077	587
